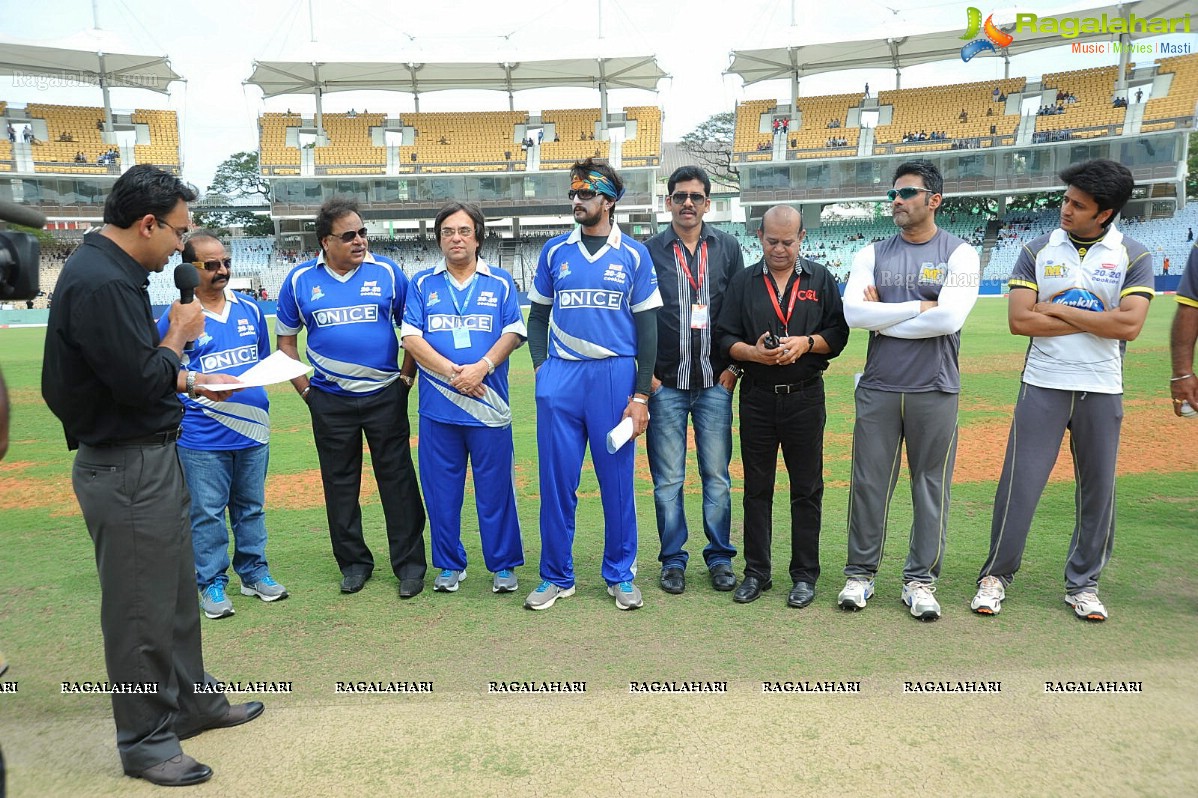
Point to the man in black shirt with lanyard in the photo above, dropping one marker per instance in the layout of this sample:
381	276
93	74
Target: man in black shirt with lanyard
692	377
113	384
783	321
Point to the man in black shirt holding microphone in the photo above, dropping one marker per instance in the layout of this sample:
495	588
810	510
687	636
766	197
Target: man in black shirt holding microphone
782	321
113	384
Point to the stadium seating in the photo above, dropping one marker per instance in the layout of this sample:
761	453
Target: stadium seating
274	154
5	146
748	138
1182	97
1095	90
163	148
463	142
645	149
575	129
938	108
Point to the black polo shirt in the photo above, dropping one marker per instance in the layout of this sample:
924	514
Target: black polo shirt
103	373
748	311
689	358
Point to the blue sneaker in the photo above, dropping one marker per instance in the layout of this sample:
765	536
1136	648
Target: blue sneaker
504	581
265	588
627	595
447	581
214	602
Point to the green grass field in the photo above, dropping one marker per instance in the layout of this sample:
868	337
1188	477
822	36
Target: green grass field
463	740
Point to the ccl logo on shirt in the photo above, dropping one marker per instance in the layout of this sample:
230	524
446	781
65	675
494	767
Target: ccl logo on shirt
218	361
487	299
372	288
444	322
356	314
245	328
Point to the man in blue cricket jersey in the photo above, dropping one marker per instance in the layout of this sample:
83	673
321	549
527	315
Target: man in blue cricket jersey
593	339
223	447
461	322
350	302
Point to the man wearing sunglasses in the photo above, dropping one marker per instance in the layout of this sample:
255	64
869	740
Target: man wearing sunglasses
592	333
114	382
692	378
350	301
913	292
223	446
1080	293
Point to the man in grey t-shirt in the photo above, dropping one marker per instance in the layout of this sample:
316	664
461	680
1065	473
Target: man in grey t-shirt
913	292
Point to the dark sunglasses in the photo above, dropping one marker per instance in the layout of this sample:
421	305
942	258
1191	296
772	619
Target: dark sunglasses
213	265
583	194
680	197
348	236
906	192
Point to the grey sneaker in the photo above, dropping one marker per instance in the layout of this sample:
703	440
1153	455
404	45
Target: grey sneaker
546	593
447	581
214	602
628	595
265	588
504	582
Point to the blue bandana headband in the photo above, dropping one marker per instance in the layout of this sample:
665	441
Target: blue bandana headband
597	182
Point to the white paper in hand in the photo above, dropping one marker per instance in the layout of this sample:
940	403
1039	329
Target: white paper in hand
276	368
620	435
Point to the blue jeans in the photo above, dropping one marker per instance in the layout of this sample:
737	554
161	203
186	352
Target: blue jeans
711	409
235	479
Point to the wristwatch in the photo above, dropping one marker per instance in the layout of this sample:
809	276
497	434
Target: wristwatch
736	370
810	342
407	379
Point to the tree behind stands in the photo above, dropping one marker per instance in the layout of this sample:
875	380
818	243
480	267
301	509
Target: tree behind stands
711	145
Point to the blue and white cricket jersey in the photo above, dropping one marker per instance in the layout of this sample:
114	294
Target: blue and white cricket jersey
487	307
351	322
594	296
233	342
1113	268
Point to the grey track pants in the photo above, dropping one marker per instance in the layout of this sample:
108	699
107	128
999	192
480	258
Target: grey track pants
927	423
1041	417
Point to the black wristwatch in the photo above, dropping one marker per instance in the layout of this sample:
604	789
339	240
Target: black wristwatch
810	342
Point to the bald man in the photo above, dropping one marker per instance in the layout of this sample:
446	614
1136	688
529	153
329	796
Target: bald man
782	321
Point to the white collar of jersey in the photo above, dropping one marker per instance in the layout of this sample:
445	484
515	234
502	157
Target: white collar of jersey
1111	240
230	298
613	238
480	266
320	262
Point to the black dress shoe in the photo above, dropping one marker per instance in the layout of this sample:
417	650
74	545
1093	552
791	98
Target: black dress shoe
673	580
802	594
751	589
178	771
352	583
236	715
410	587
722	578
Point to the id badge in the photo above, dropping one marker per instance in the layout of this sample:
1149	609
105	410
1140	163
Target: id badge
699	317
461	338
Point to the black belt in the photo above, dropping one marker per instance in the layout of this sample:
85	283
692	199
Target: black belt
785	388
157	439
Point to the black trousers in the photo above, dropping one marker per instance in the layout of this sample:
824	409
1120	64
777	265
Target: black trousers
794	422
136	506
338	423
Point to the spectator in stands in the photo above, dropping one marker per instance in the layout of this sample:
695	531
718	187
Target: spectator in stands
1189	234
993	129
582	136
867	91
1002	98
64	136
785	125
80	157
908	394
794	143
100	123
12	133
994	94
352	114
224	454
989	111
443	140
964	117
464	405
590	137
28	135
1165	266
692	379
1139	95
777	124
358	388
1072	378
594	368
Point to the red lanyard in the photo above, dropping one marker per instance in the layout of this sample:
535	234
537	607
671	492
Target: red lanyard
681	259
794	294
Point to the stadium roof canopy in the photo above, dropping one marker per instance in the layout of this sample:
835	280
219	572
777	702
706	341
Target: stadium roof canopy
294	77
901	51
96	57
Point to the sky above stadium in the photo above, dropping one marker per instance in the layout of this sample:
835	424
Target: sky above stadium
213	44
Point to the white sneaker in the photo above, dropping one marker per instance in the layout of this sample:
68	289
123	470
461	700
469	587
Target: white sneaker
1087	606
856	592
918	596
990	596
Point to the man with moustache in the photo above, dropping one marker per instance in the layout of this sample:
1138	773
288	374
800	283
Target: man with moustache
223	446
350	302
113	383
1080	293
694	262
592	334
461	322
782	321
913	292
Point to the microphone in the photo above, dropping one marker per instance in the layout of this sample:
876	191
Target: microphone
186	280
22	214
